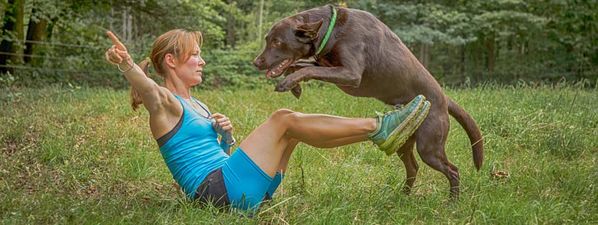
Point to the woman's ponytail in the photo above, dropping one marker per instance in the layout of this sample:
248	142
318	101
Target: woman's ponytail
135	97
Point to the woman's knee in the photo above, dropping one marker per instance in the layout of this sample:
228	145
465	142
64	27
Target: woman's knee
282	115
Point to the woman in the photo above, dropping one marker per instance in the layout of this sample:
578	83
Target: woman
187	132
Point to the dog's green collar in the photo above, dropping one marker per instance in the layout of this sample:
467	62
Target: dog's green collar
328	32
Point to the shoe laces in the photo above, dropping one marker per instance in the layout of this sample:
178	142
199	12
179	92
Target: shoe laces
399	106
382	115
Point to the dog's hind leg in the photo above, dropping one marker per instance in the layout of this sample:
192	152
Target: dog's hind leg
431	138
411	167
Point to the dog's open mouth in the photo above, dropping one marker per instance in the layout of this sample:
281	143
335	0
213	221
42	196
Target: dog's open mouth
279	69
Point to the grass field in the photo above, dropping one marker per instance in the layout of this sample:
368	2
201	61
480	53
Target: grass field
83	156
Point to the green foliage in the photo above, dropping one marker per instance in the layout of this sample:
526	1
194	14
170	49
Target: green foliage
501	40
473	41
232	67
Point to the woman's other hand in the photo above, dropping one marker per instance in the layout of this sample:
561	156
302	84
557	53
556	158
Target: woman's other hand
223	126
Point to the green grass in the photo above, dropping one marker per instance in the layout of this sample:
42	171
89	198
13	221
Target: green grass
83	156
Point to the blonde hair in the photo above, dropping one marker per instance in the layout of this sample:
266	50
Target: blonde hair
178	42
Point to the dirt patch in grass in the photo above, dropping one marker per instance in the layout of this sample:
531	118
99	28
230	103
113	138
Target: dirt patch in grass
9	147
15	142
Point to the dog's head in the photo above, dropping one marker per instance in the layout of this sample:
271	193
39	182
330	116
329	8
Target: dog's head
288	40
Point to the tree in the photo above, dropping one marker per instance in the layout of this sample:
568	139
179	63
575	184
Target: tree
12	34
36	32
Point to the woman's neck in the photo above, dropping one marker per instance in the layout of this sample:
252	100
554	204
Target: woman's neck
177	86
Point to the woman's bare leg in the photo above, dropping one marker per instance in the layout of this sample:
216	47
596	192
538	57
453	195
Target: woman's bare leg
286	155
267	143
288	151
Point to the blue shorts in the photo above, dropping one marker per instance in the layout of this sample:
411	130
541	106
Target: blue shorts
246	183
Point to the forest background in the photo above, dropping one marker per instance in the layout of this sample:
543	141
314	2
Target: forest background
462	42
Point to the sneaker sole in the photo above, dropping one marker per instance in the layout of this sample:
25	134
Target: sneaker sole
391	137
409	130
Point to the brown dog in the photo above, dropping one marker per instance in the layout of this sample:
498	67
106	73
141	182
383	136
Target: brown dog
364	58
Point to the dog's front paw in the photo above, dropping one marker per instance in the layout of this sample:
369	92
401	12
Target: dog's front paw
300	64
285	85
296	91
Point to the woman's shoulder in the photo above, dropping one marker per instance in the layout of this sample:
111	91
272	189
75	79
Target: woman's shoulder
167	103
167	115
169	99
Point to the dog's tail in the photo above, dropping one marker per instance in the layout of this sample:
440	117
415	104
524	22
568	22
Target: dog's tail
472	130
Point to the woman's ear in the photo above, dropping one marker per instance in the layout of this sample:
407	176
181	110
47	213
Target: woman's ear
170	60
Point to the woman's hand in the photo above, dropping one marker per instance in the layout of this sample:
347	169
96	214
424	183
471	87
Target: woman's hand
223	126
118	54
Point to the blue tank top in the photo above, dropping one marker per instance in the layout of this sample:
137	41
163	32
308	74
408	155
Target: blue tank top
191	149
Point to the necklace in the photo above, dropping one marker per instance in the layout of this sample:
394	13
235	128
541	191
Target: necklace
195	109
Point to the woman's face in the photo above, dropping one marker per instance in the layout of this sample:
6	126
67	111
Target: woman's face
191	71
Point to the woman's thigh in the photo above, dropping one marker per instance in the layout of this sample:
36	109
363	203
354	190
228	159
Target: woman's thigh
265	146
246	182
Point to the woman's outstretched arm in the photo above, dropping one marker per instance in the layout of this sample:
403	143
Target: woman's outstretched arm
147	88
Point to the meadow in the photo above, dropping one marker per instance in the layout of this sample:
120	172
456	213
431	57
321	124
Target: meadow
82	156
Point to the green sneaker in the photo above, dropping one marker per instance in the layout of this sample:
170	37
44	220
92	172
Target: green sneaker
409	129
395	127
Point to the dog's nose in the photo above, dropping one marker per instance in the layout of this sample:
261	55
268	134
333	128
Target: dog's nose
259	62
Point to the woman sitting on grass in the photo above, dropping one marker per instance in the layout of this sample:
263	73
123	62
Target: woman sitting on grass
187	132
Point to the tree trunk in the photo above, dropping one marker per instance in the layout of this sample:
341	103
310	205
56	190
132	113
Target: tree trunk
111	18
50	29
13	27
462	60
477	59
35	33
230	26
127	24
17	45
424	57
490	44
259	26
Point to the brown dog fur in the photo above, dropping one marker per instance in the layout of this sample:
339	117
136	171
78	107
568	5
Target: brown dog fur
364	58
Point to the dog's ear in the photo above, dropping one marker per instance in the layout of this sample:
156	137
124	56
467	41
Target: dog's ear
307	32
